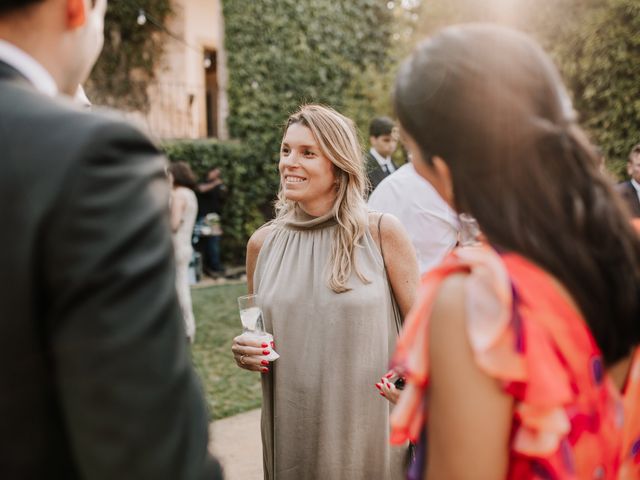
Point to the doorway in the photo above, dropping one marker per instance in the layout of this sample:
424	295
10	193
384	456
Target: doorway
211	92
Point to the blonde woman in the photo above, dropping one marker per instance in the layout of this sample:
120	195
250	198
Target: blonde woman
327	271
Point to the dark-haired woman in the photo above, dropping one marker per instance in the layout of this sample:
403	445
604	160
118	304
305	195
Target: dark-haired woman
521	355
184	209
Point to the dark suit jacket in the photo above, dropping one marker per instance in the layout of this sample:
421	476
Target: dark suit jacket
630	196
95	376
375	173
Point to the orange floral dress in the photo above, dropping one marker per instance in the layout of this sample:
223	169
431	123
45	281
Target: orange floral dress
569	422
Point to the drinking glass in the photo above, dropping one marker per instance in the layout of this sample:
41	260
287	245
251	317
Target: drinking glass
253	323
250	314
469	234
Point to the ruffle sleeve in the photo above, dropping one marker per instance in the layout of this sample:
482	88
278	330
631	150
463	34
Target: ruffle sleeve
509	343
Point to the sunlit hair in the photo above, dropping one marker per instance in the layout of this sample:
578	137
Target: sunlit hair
338	141
491	104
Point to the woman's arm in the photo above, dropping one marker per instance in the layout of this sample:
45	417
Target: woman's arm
253	250
402	269
469	414
248	353
400	261
178	205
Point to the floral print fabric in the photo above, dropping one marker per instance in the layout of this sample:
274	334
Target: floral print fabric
569	420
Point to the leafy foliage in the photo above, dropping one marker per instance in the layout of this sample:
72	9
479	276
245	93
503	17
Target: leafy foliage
242	170
596	45
285	52
130	56
598	52
282	53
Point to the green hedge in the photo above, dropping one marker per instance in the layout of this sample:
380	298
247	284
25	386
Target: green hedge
282	53
250	191
594	43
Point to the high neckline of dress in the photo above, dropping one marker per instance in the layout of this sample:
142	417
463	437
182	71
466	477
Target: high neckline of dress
298	219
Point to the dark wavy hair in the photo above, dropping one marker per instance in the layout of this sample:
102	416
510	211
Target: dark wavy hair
183	176
7	6
491	104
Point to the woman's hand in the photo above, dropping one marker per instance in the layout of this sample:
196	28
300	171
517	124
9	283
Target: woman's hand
249	354
387	389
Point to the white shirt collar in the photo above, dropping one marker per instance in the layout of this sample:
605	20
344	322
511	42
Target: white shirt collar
636	185
29	67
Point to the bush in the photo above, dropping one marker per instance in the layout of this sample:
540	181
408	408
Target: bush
282	53
250	192
596	46
598	52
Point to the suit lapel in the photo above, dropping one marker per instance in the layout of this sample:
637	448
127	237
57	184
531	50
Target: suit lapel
10	74
374	166
633	200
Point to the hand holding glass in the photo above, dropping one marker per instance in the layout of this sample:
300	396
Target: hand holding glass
253	323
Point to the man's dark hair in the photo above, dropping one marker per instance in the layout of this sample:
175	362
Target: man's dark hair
635	151
7	6
381	126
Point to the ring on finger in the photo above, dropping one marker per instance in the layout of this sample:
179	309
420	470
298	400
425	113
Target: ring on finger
242	359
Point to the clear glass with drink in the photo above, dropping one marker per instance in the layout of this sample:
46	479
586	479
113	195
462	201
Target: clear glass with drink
253	323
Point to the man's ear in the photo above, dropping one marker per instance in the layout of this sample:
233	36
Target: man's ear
76	14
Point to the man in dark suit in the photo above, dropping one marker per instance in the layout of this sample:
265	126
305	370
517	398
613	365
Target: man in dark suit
95	376
383	137
630	189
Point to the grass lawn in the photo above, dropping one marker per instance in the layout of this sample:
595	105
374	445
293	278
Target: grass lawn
229	389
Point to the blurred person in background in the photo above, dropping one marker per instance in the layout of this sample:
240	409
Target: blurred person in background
383	138
630	189
95	374
212	195
184	208
521	354
431	223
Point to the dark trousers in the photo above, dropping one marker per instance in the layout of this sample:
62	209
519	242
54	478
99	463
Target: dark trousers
212	253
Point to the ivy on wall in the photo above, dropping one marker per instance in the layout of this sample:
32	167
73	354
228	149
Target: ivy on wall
282	53
130	56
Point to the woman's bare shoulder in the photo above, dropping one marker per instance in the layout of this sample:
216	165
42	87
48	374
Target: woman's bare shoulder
258	238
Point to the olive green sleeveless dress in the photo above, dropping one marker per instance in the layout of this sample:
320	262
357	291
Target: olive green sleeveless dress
322	417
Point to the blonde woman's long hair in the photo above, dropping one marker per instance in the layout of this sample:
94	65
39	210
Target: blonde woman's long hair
338	141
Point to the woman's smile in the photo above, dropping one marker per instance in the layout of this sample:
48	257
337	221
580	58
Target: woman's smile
294	179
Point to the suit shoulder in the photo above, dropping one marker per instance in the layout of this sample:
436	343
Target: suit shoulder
623	186
58	121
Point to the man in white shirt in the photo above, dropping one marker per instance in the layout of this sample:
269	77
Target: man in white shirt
630	189
383	137
432	225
